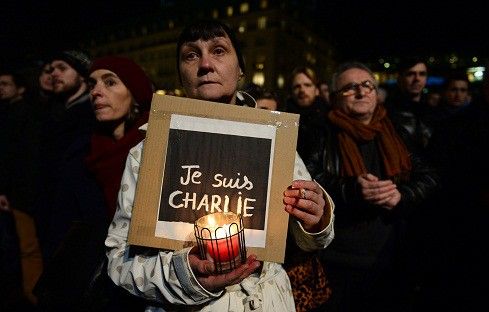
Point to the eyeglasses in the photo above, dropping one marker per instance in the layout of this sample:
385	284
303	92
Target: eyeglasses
354	88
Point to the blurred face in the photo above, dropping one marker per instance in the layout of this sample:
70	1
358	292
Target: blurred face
210	69
304	91
8	89
66	80
357	94
268	104
110	98
457	93
45	78
414	80
324	91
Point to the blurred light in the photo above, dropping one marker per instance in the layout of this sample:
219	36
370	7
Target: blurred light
381	61
262	22
431	59
475	59
258	78
263	4
260	66
229	11
241	29
387	65
160	92
215	14
435	81
280	81
244	7
476	73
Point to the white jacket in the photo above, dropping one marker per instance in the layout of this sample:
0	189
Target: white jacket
165	277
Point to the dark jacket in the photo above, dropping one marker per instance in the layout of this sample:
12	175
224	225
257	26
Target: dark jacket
68	192
311	124
416	118
10	270
364	231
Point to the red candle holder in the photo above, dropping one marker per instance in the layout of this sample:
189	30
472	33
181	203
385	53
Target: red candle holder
220	238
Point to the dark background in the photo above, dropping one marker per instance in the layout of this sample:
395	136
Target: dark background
358	29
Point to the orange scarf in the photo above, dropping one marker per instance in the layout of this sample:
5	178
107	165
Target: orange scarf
393	151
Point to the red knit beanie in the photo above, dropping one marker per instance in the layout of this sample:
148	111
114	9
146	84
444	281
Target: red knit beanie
133	77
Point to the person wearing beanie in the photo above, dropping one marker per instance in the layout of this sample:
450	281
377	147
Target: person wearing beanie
68	195
121	95
69	73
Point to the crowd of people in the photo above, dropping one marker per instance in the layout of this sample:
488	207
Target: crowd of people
387	209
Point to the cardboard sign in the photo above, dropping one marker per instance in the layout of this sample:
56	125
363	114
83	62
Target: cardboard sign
201	157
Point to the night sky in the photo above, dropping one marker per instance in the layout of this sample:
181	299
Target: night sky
358	29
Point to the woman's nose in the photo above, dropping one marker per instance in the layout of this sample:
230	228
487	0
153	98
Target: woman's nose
206	63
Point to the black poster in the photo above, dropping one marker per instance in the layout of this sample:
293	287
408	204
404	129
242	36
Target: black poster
208	172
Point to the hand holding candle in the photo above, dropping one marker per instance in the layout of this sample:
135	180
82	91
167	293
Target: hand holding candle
220	237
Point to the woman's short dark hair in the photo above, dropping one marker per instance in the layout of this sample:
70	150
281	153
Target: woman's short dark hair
207	30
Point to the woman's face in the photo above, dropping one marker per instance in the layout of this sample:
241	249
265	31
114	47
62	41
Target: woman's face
110	98
210	69
357	95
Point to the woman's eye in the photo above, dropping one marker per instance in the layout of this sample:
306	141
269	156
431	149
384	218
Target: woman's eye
190	56
109	82
219	51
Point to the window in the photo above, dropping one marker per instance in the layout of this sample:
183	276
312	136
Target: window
262	22
244	7
258	78
229	11
280	81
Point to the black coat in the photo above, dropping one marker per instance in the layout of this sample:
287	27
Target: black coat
364	231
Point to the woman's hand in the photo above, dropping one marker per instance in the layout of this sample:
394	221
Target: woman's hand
304	200
204	271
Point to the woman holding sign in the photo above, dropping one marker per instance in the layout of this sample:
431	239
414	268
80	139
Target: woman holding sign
210	65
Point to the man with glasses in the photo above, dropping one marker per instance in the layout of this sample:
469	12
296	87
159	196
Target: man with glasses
376	181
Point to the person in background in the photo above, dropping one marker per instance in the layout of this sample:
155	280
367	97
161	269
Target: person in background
121	94
19	173
208	52
457	264
306	102
381	96
45	83
264	98
455	96
433	98
65	141
324	93
376	182
305	271
407	106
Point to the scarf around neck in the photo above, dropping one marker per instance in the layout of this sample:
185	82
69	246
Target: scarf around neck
392	150
107	159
